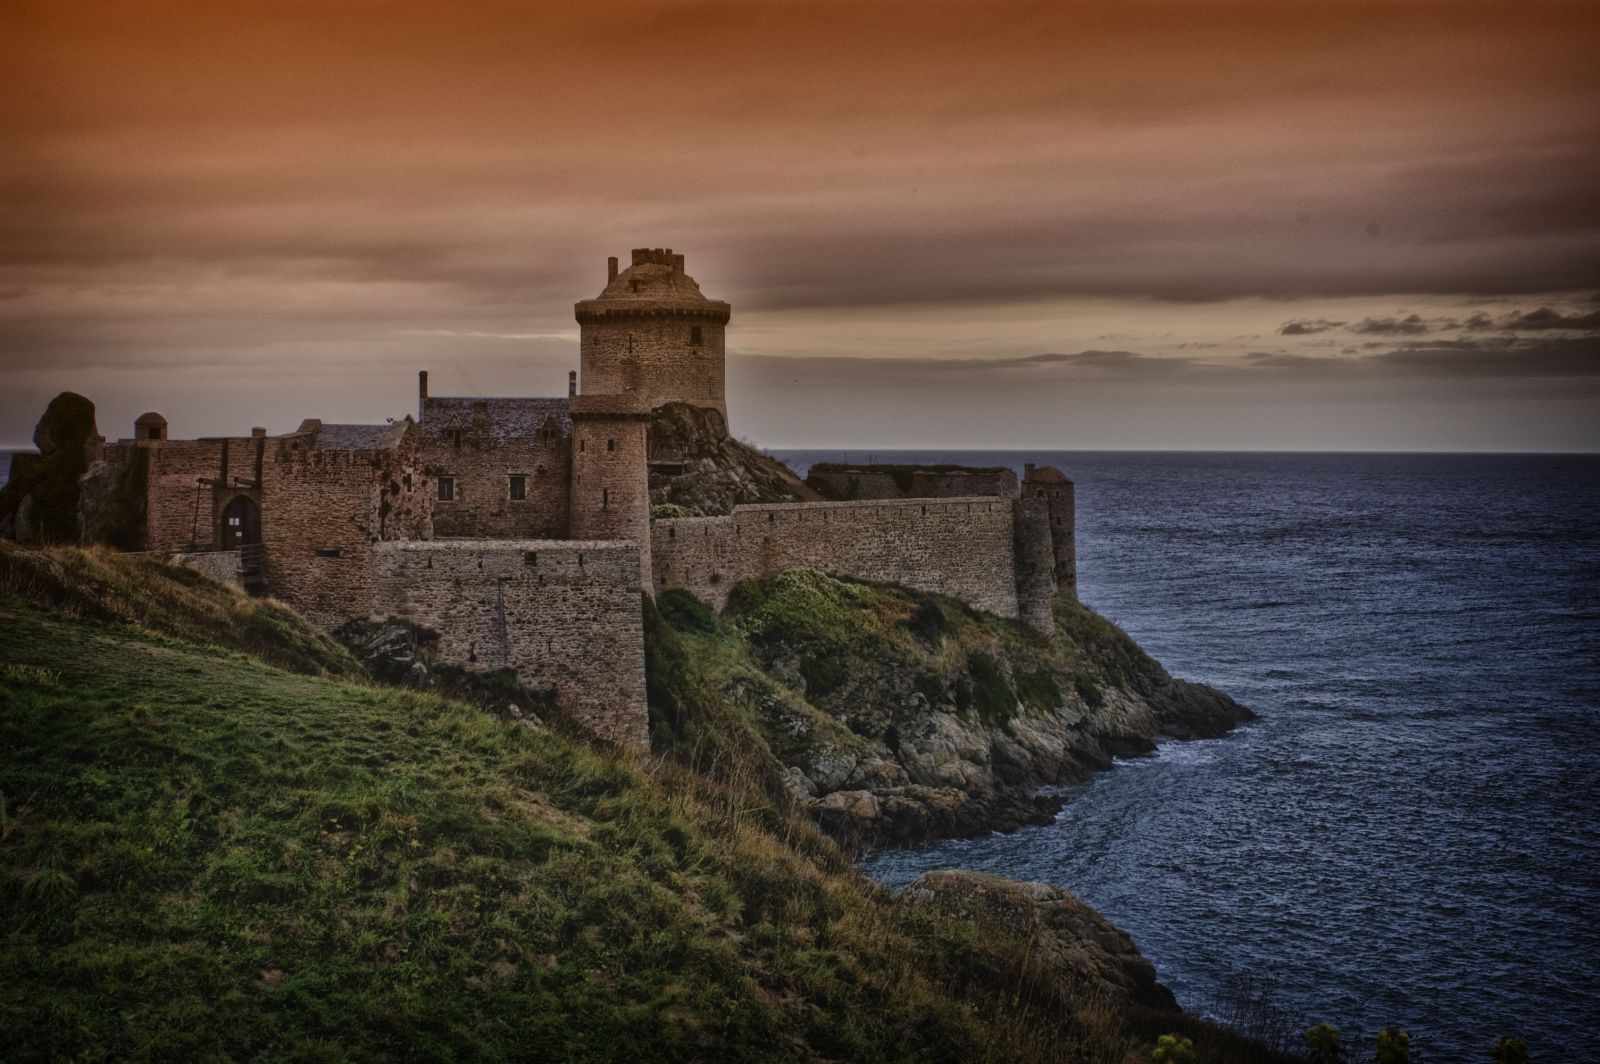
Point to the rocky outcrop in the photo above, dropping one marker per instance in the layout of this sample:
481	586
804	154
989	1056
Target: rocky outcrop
1070	942
39	502
900	717
697	469
396	651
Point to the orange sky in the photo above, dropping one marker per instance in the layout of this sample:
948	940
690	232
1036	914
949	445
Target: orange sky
245	213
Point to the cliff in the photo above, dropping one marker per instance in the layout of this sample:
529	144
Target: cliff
697	469
897	716
218	839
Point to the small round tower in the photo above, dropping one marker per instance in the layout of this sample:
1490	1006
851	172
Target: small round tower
150	426
610	478
1050	486
652	334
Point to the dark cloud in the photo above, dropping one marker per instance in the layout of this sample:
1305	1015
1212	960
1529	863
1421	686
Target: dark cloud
1411	325
1306	328
1547	318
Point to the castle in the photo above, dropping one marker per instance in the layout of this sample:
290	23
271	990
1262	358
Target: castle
521	529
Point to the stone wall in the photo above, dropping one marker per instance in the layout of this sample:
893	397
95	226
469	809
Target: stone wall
964	548
223	565
323	512
190	481
610	498
482	505
563	614
849	482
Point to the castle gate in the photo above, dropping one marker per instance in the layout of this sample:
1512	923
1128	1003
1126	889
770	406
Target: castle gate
241	523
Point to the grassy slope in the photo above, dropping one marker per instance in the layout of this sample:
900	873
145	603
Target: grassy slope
202	854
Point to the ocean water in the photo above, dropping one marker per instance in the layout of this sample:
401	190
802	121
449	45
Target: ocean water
5	466
1408	833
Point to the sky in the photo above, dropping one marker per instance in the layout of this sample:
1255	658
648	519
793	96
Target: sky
1288	225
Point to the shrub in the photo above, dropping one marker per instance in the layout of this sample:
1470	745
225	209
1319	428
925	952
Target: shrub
686	613
991	697
1393	1046
1173	1049
1037	689
1510	1050
1324	1044
1090	690
822	673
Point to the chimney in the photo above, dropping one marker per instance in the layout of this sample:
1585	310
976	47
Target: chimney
611	269
1027	470
258	432
572	378
422	391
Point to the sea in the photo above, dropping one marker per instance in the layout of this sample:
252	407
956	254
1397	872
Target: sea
5	464
1407	834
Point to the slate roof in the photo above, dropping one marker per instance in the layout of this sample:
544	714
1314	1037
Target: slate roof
509	419
359	437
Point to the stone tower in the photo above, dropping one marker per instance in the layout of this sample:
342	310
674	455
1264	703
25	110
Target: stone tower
651	334
610	479
1046	484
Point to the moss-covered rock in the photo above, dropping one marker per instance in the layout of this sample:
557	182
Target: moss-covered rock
898	716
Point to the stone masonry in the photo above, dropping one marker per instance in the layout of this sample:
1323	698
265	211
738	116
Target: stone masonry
521	530
561	613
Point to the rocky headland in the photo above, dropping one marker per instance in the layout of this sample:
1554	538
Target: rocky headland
892	716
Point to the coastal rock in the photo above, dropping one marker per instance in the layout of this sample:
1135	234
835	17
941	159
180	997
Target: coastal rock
953	722
1072	942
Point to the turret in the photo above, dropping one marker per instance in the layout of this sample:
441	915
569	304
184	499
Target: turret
151	426
1047	484
610	481
652	334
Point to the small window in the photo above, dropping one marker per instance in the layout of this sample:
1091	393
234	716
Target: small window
153	432
583	445
630	343
695	336
328	552
447	489
455	438
611	445
518	488
605	498
633	286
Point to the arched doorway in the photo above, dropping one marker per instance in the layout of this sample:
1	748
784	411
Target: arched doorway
241	523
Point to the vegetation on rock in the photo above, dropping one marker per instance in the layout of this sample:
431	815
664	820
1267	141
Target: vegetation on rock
897	715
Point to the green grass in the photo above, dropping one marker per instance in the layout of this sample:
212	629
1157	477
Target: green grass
845	650
206	855
99	584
